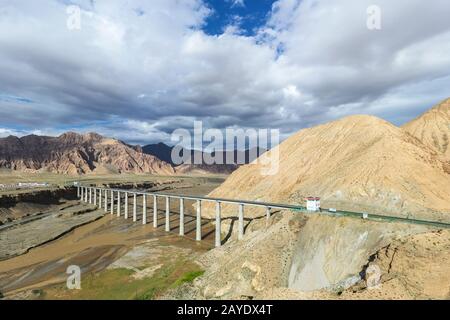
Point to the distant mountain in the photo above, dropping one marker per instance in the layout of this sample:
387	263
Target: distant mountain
164	152
160	150
73	153
359	163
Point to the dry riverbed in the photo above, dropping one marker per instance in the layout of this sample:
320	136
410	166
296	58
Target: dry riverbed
119	259
20	238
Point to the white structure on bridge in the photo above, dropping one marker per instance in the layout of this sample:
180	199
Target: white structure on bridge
313	204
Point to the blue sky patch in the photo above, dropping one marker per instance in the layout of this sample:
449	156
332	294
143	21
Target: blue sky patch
249	15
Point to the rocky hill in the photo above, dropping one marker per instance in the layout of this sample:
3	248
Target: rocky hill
433	129
72	153
319	257
357	163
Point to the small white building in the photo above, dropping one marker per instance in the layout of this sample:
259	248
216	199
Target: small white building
313	204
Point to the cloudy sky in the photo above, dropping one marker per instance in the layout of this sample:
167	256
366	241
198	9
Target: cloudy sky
137	69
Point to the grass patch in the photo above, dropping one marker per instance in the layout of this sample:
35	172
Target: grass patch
189	277
118	284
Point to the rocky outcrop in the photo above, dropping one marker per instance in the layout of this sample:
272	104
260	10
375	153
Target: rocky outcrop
73	154
320	257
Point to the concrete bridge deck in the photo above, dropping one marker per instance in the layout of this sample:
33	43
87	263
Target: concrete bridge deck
160	210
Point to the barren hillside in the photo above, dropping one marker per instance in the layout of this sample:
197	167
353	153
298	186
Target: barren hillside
433	129
320	257
73	153
358	163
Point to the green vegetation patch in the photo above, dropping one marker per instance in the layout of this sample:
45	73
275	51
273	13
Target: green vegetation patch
189	277
119	284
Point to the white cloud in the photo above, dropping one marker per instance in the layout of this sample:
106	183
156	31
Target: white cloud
138	68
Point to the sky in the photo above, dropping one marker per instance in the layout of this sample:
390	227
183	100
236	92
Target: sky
137	70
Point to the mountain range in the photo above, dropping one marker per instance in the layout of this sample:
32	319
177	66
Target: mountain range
91	153
73	153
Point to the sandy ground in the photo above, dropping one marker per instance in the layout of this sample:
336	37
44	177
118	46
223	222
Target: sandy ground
20	238
97	245
92	247
13	177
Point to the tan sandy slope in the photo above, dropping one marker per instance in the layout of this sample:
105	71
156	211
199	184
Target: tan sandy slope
433	129
357	163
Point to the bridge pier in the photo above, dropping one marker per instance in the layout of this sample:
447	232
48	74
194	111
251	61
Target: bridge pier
112	202
144	209
118	204
268	213
86	195
106	201
95	196
181	217
198	232
155	212
218	225
100	198
126	205
78	191
82	194
90	195
167	214
135	207
241	222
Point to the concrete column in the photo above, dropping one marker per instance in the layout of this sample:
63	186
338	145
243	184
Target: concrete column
155	212
181	217
86	194
106	200
95	196
167	214
90	195
144	209
112	202
99	198
118	204
126	205
199	221
82	193
268	213
78	191
241	222
135	208
218	225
